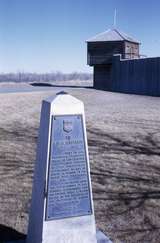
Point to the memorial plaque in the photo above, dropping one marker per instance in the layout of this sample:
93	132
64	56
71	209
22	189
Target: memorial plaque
68	193
62	205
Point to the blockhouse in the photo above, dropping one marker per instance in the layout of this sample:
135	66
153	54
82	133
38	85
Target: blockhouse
118	67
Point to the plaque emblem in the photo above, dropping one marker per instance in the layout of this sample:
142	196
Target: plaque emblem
67	125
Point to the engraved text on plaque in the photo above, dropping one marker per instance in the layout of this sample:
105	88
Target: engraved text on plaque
68	185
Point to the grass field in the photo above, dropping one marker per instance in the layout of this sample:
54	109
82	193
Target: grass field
124	147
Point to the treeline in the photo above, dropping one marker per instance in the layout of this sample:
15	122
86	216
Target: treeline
43	77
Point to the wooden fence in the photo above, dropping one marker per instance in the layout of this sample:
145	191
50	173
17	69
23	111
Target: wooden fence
136	76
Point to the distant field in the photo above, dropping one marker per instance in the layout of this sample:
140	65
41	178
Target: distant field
59	83
124	147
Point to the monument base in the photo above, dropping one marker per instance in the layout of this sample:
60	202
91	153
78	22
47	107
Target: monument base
101	238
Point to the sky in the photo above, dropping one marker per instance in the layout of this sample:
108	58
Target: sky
49	35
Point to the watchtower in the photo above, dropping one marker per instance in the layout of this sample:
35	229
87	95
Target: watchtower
100	51
103	46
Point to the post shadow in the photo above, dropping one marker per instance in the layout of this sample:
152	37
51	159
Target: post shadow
9	234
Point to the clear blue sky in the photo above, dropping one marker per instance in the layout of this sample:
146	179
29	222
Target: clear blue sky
49	35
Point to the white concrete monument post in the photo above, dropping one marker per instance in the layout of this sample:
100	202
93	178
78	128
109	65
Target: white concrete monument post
62	206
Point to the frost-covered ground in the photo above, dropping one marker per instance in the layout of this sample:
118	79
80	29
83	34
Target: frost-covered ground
124	147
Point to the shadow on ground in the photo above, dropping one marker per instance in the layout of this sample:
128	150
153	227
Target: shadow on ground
8	234
56	85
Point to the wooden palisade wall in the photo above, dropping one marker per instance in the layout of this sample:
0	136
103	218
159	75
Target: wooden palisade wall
136	76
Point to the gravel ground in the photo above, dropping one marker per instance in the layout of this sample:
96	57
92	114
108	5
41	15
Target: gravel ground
124	147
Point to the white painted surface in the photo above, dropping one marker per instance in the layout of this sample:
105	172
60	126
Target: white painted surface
69	230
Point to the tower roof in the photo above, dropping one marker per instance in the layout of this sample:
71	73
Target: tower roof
112	35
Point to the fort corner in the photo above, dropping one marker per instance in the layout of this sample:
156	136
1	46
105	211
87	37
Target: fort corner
118	66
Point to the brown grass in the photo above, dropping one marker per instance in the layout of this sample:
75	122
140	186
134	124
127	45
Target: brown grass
124	146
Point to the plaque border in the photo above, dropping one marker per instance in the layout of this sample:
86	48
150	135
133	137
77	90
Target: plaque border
87	169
